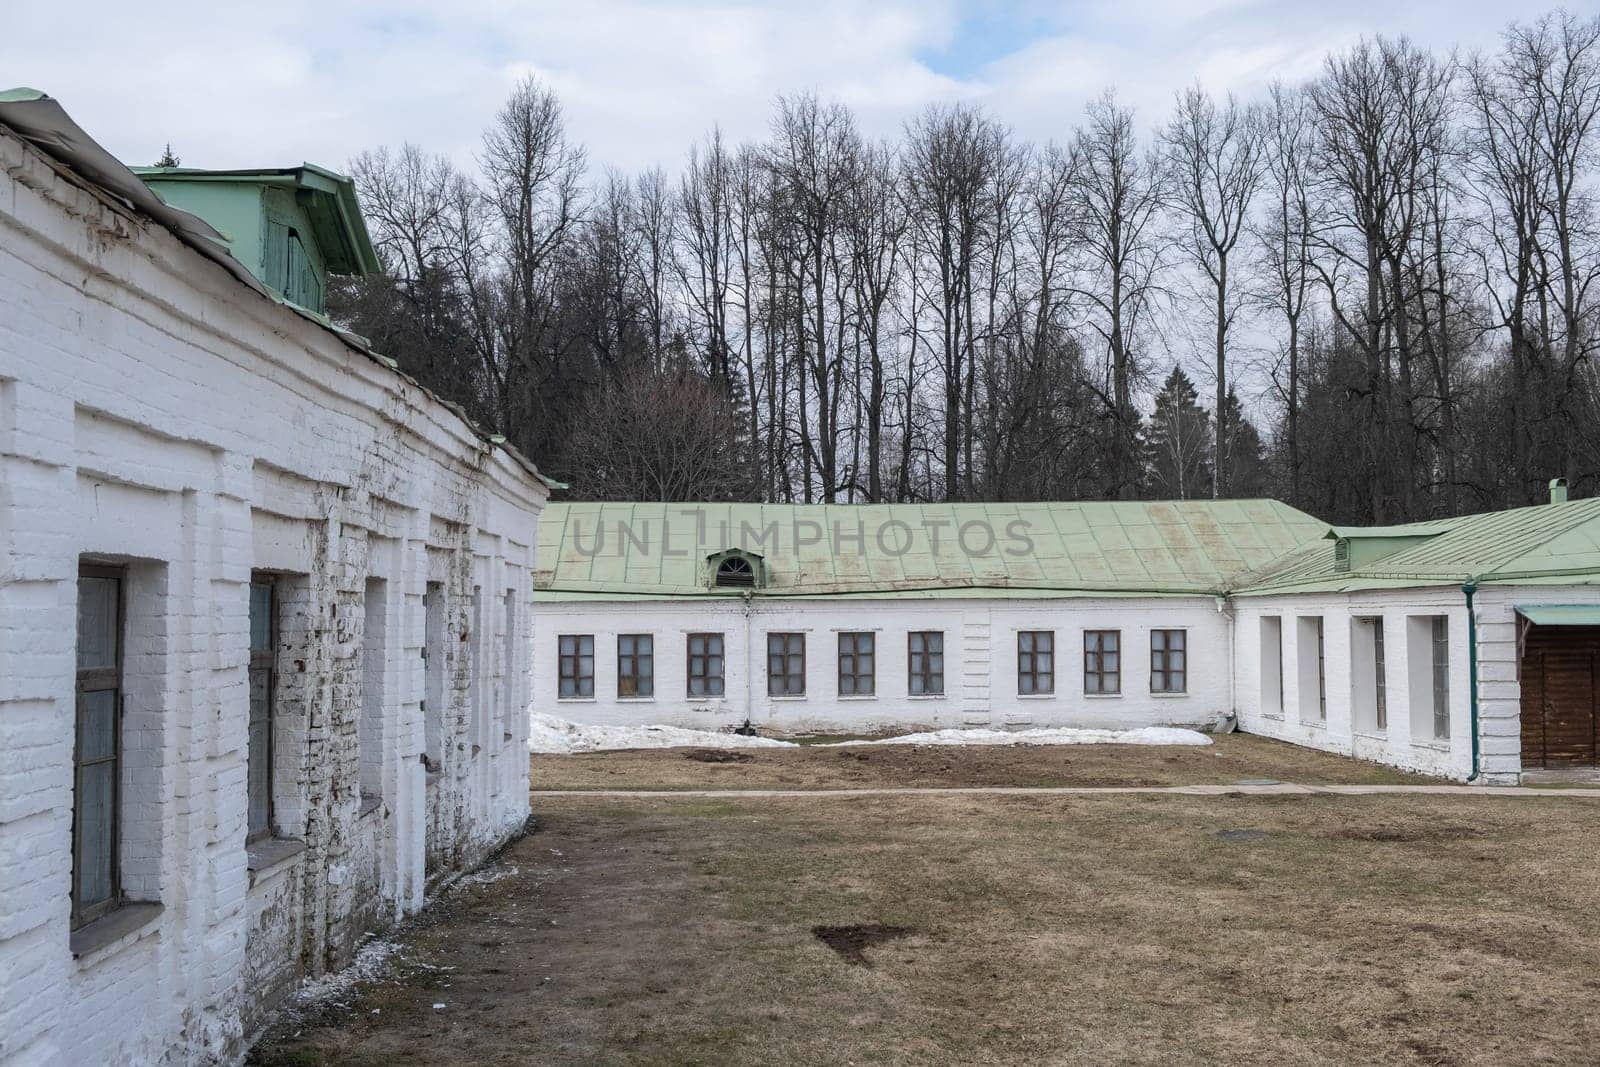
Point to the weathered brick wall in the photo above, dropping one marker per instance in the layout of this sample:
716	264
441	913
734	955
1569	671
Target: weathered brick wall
156	413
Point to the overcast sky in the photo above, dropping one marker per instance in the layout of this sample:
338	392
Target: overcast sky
278	82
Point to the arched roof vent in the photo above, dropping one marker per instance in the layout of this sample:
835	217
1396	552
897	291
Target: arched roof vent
734	568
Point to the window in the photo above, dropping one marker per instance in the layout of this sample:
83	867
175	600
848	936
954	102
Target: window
97	753
1369	698
576	665
1169	661
263	639
373	655
925	674
1441	677
1036	671
1272	666
433	670
636	665
736	572
705	665
508	665
786	665
1312	669
1102	662
857	675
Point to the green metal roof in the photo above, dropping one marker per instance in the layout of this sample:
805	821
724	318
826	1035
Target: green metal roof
329	200
1561	614
654	550
1521	546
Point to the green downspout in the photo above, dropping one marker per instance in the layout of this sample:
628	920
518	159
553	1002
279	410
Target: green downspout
1469	587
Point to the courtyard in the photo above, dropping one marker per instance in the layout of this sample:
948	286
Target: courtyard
930	927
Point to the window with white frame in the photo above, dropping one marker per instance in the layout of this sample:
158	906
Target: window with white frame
1272	666
1169	661
1428	657
1369	695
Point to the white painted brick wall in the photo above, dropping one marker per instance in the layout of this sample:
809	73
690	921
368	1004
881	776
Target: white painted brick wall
154	411
980	642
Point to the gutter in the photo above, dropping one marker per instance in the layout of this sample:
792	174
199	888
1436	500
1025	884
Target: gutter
1468	588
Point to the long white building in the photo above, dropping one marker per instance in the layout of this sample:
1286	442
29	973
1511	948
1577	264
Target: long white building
802	618
264	608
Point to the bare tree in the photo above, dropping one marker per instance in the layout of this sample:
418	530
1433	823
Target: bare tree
1118	200
1215	160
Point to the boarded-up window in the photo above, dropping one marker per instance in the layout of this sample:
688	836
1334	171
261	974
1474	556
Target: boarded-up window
636	665
925	674
98	748
1036	662
1102	661
263	636
1169	661
786	665
576	665
857	665
705	665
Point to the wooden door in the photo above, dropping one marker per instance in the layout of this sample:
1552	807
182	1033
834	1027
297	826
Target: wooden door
1561	697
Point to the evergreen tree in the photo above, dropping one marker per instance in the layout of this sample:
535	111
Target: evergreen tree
1245	470
1178	449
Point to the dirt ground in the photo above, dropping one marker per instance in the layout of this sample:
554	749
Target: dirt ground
944	929
1231	758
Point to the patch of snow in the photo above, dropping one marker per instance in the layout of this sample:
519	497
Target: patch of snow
1045	735
371	961
549	734
552	735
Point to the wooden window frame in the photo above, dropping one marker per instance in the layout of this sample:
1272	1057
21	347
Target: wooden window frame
264	661
1095	668
704	675
784	636
1162	668
633	660
577	675
93	680
854	656
1028	663
927	674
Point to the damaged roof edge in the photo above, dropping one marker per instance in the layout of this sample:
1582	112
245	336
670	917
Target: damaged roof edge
41	121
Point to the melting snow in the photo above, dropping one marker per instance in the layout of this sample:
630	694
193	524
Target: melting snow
552	735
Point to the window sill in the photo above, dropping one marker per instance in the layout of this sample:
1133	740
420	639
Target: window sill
270	855
789	698
705	700
1365	735
858	696
1170	696
1272	716
1036	696
1102	696
1313	724
636	700
123	925
369	804
1436	746
575	700
925	696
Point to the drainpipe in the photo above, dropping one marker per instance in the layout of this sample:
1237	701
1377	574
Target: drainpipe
1469	587
749	658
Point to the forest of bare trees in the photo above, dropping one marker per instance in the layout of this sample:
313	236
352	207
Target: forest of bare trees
1371	295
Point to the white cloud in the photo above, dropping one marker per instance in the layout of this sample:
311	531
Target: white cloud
277	83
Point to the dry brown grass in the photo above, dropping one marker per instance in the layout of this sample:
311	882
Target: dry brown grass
1231	758
1060	929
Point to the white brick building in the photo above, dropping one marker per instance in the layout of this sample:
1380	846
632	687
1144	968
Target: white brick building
800	618
263	616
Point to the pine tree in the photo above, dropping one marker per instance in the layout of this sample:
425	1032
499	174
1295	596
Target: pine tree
168	159
1178	453
1245	462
